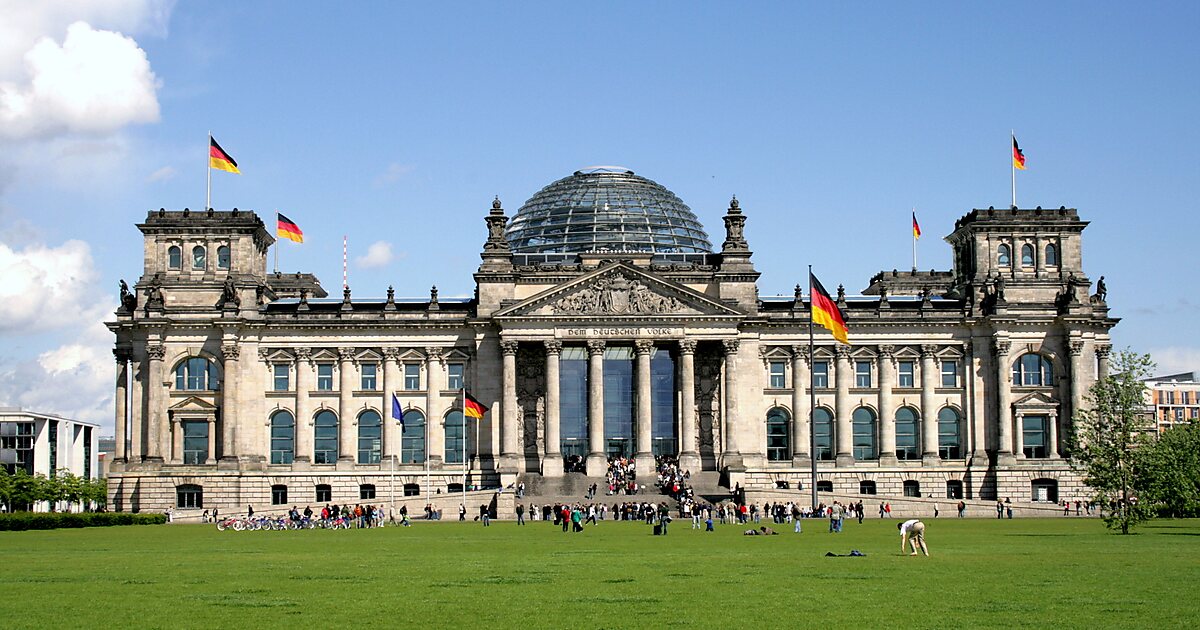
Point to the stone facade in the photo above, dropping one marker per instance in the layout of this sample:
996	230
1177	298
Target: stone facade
966	378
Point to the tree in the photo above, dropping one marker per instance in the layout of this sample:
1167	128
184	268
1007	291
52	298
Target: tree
1106	439
1169	471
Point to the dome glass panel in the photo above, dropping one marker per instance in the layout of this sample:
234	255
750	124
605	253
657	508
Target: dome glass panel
606	209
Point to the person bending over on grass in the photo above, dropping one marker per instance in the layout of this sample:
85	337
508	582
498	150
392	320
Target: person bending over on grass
912	533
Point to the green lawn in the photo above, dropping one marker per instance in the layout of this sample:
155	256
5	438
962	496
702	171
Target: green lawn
1024	572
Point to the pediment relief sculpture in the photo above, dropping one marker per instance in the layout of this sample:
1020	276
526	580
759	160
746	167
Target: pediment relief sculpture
617	294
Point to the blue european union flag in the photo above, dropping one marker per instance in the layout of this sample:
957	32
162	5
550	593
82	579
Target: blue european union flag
397	412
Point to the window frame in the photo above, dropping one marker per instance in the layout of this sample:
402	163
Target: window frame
412	435
1004	256
778	443
174	258
279	494
946	449
368	377
325	381
366	492
1028	256
906	452
325	454
950	369
776	374
224	258
199	258
820	374
286	376
193	492
456	381
911	373
374	449
864	379
412	377
283	448
195	441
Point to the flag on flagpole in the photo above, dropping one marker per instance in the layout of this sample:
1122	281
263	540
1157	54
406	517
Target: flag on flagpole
397	412
472	408
826	312
286	228
219	159
916	226
1018	156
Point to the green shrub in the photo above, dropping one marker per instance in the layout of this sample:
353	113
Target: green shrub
22	521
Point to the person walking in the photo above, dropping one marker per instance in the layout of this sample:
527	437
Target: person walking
462	512
520	514
999	509
912	532
796	528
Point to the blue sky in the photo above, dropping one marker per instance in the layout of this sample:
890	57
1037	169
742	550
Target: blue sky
396	123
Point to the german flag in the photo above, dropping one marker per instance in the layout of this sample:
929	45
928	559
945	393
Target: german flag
472	408
286	228
916	226
826	312
219	159
1018	157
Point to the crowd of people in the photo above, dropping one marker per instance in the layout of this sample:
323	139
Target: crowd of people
620	477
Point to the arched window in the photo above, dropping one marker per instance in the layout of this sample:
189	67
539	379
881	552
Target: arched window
864	424
196	374
866	486
777	435
949	433
823	431
324	493
189	496
912	488
223	257
283	437
174	257
1004	256
1051	255
1027	255
906	434
1044	490
199	258
825	486
279	494
1033	370
325	437
456	438
370	437
412	438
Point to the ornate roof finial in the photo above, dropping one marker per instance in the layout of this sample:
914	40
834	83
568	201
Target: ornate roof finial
734	206
433	298
496	207
799	294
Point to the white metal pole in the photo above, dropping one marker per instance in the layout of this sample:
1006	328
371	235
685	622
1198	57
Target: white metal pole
208	170
464	447
1012	161
914	239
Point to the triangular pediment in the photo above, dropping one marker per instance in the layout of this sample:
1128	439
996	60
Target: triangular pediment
195	404
1036	400
619	290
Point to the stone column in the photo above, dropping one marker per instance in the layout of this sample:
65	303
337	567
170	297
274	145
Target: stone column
435	423
596	460
137	411
212	442
1020	451
844	433
1079	380
229	395
176	454
121	395
392	433
732	456
1053	451
1102	352
689	456
347	436
929	436
801	412
644	460
155	412
887	415
977	409
508	425
304	411
1004	400
552	465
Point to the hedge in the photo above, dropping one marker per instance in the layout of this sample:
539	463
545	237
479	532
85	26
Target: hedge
21	521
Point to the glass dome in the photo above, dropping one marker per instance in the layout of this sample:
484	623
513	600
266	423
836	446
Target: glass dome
606	208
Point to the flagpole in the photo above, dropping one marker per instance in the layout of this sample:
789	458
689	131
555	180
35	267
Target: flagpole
914	237
277	241
428	493
464	447
812	399
208	169
1012	159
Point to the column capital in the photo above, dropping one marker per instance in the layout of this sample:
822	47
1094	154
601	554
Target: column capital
886	351
304	354
1075	346
231	351
1001	347
1103	350
156	351
928	350
263	353
553	346
596	346
842	351
801	352
391	354
120	355
730	345
433	353
687	346
508	347
345	354
643	346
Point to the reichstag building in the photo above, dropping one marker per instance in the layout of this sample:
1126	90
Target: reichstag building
604	323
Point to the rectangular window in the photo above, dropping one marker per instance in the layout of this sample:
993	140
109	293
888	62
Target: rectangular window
820	374
412	377
368	376
862	373
454	376
87	452
279	495
1033	432
16	446
282	381
324	377
778	376
195	442
1170	398
905	374
324	494
366	492
949	373
53	428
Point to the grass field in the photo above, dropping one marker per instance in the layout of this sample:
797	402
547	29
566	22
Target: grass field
1029	573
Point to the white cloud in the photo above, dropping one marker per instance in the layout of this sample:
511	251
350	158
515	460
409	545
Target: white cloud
378	255
393	173
1175	359
162	174
49	288
95	82
74	380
